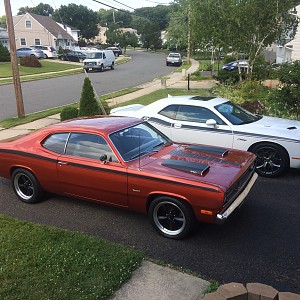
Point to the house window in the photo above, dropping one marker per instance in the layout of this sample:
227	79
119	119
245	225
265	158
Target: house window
28	24
37	42
23	42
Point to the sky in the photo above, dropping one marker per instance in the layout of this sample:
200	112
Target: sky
16	4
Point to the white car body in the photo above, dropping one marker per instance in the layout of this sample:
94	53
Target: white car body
215	129
99	60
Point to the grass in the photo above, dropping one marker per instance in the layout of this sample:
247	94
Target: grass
147	99
39	262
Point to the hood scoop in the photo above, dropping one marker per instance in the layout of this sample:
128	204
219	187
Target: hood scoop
190	167
210	150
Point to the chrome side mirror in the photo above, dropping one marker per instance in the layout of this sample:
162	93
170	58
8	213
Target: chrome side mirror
211	123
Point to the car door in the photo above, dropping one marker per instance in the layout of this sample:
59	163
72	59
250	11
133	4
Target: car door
82	174
190	126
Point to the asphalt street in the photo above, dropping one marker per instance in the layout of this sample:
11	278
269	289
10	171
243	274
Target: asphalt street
259	243
48	93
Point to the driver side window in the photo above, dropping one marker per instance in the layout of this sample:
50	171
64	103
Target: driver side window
89	146
198	114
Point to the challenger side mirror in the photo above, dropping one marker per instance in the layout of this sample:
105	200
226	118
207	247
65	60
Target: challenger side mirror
103	158
211	123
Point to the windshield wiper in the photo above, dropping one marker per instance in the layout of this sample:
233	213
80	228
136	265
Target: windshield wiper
139	154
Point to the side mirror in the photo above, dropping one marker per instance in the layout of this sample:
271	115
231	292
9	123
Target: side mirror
103	158
212	123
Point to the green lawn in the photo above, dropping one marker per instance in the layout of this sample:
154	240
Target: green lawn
47	66
39	262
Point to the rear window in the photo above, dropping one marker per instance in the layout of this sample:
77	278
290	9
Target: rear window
56	142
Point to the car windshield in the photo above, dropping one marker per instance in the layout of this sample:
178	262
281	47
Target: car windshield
94	55
138	140
174	55
236	114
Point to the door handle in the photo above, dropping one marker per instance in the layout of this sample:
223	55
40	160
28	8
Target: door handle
62	162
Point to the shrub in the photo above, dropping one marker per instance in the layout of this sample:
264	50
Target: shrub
30	61
227	77
69	112
4	54
88	105
105	106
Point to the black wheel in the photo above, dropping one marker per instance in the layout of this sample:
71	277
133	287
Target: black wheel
171	217
112	66
26	186
167	64
272	160
46	56
101	68
63	58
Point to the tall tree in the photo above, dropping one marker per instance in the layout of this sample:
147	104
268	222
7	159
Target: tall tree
41	9
124	19
3	21
242	25
79	16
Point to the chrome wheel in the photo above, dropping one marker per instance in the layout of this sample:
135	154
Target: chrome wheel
272	160
23	186
171	217
26	186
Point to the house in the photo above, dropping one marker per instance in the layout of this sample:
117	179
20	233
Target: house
4	37
74	32
101	37
32	29
290	50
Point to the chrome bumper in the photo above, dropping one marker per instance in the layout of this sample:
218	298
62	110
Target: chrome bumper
221	218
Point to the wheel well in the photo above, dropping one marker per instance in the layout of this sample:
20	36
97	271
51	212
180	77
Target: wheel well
270	143
19	167
154	196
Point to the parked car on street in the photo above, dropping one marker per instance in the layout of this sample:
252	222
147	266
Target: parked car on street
28	51
75	56
219	122
116	50
127	163
234	65
49	51
174	59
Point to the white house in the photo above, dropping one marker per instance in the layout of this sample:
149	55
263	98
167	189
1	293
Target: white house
291	50
4	37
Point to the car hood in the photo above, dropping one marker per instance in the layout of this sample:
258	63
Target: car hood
200	164
274	127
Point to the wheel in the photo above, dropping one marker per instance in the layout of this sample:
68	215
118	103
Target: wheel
167	64
26	186
63	58
171	217
46	56
112	66
101	68
87	70
272	160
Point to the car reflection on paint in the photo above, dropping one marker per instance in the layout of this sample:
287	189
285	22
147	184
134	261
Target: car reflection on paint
127	163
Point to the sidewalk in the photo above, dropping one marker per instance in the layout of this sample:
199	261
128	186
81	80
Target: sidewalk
150	281
174	80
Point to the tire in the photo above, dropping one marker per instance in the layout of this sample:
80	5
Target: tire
272	159
26	186
112	66
63	58
171	217
46	56
101	68
167	64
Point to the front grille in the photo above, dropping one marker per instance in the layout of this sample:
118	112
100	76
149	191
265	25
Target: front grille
233	192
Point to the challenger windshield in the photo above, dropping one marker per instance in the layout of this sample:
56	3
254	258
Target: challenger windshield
236	114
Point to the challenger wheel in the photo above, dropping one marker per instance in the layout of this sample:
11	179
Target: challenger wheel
272	160
171	217
26	186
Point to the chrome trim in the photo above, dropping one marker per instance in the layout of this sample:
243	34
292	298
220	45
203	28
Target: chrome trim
222	217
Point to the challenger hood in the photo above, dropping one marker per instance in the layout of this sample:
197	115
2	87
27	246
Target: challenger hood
201	163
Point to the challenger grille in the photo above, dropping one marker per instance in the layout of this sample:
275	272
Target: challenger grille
233	192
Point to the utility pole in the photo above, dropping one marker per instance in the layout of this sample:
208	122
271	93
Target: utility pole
189	36
14	61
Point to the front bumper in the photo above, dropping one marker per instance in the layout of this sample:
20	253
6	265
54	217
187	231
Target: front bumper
222	216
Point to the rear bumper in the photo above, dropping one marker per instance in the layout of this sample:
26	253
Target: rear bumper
222	216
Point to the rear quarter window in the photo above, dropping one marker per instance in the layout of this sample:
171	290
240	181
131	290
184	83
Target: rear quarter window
56	142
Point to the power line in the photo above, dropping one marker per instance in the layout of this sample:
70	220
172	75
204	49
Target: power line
124	4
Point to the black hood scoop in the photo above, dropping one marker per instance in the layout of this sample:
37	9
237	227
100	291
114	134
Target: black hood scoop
209	150
190	167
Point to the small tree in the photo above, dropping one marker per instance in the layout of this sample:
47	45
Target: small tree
88	105
286	98
4	54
